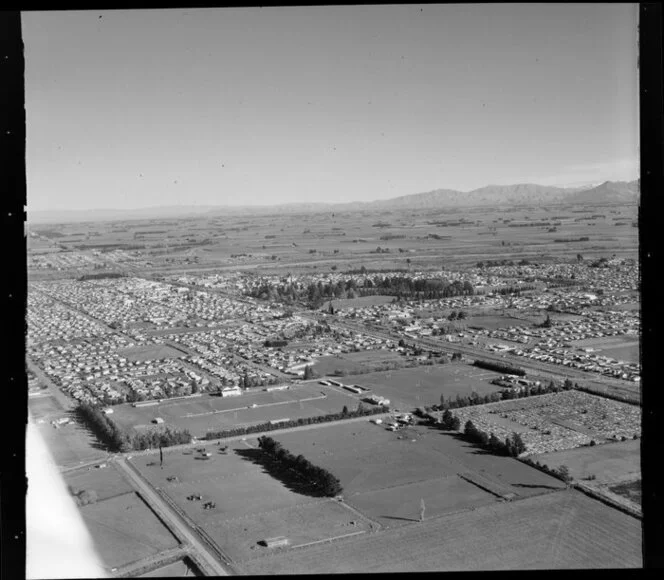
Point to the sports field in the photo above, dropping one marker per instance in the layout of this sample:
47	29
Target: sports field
422	386
610	463
207	412
151	352
355	363
622	348
125	530
560	530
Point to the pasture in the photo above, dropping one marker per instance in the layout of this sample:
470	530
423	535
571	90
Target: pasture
251	505
71	444
202	414
423	386
106	482
386	474
126	530
610	463
563	530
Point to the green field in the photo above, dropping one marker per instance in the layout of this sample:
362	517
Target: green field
150	352
250	504
71	444
561	530
106	482
609	463
125	530
207	412
422	386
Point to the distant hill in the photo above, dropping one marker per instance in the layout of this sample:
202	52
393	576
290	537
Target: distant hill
608	192
489	196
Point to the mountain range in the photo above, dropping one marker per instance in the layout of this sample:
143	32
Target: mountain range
488	196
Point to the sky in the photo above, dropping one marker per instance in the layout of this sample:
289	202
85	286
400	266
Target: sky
256	106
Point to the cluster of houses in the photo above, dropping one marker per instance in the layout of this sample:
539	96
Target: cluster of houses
49	321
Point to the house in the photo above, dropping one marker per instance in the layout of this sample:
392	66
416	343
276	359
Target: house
158	420
231	392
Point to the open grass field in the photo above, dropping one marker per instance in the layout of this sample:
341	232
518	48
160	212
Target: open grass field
71	444
609	463
107	482
422	386
150	352
400	505
561	530
622	348
126	530
354	363
362	302
45	407
206	413
251	505
493	322
386	474
630	490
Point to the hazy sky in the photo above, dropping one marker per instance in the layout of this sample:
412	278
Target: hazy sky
340	103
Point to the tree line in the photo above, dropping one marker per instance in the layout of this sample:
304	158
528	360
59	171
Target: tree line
120	440
316	293
361	411
500	367
320	478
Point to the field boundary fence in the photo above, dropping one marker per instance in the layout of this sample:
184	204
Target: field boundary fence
598	495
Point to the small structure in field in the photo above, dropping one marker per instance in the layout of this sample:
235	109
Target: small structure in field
158	420
278	542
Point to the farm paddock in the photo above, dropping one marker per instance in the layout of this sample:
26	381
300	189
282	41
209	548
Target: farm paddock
562	530
126	530
611	463
250	505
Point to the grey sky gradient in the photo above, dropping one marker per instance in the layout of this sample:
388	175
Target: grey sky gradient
333	104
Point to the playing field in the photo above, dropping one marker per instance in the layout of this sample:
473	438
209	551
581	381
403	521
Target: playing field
610	463
622	348
125	530
151	352
560	530
423	386
207	412
356	363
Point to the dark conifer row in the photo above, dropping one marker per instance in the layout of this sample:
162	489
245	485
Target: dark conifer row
320	478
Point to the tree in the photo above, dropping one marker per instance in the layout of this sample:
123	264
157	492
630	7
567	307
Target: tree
344	411
447	419
469	429
579	258
453	315
456	423
518	446
568	384
495	444
563	473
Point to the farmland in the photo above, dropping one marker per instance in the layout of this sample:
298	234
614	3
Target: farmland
126	530
554	531
250	505
610	463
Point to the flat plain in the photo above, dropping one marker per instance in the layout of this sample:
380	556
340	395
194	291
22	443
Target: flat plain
563	530
125	530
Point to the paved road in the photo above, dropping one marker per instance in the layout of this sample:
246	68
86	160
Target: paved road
174	519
